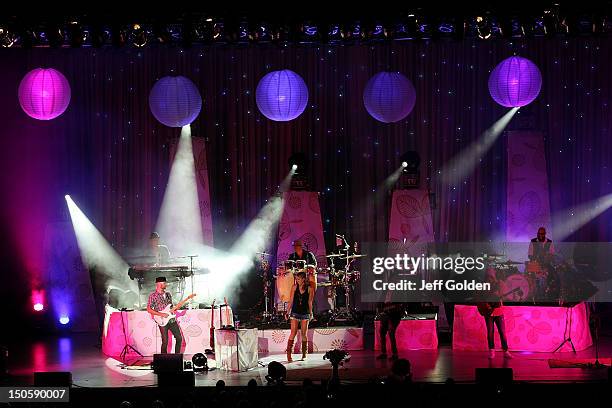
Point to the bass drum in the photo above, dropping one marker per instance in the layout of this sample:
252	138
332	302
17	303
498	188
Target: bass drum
516	288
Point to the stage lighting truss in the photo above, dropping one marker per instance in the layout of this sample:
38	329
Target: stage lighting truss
79	31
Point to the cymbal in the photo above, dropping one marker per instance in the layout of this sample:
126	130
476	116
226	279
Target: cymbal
354	256
333	255
509	263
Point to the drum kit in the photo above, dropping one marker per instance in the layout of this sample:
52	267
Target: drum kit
523	286
341	274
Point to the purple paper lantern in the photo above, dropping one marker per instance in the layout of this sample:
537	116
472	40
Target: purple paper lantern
389	97
44	93
515	82
175	101
281	95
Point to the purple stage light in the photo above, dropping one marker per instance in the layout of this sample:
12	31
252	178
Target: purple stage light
389	97
175	101
281	95
64	320
515	82
44	93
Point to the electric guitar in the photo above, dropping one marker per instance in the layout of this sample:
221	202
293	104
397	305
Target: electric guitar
487	308
169	310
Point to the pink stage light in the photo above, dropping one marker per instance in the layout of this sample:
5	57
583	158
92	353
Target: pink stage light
38	300
44	94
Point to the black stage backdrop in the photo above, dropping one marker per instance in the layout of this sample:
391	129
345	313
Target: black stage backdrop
111	155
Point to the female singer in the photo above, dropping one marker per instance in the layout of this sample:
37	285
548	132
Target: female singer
299	309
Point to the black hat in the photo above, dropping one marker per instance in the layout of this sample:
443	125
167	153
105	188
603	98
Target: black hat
160	279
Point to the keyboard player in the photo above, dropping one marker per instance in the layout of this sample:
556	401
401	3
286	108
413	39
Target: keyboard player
160	254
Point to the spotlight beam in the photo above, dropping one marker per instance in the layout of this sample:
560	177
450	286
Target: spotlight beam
568	221
180	221
465	162
96	251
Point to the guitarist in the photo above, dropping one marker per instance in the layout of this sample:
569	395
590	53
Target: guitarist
494	316
158	300
390	316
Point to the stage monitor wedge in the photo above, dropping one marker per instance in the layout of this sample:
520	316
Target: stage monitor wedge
167	363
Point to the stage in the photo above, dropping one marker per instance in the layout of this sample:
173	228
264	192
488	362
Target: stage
82	355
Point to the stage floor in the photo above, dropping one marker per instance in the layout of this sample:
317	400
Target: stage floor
81	355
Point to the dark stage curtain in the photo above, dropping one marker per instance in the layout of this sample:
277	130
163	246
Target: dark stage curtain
109	152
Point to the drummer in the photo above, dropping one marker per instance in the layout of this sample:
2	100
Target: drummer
300	254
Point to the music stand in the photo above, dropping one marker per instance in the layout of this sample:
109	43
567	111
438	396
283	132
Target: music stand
127	347
568	331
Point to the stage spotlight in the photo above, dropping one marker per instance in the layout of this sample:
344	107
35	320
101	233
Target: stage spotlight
263	33
64	320
276	373
200	362
77	34
298	163
335	34
355	33
516	28
585	25
243	32
309	33
378	32
8	37
139	35
483	28
405	30
424	28
100	35
38	300
446	28
56	35
411	161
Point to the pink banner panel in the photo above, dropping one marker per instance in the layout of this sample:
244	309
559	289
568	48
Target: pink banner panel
527	203
201	169
528	328
411	335
301	220
321	339
410	222
143	333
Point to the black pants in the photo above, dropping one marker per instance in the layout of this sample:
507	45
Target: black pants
176	332
389	323
498	321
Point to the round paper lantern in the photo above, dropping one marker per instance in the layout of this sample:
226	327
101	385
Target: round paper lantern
515	82
44	93
175	101
389	97
281	95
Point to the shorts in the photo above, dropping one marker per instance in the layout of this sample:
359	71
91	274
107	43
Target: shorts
298	316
